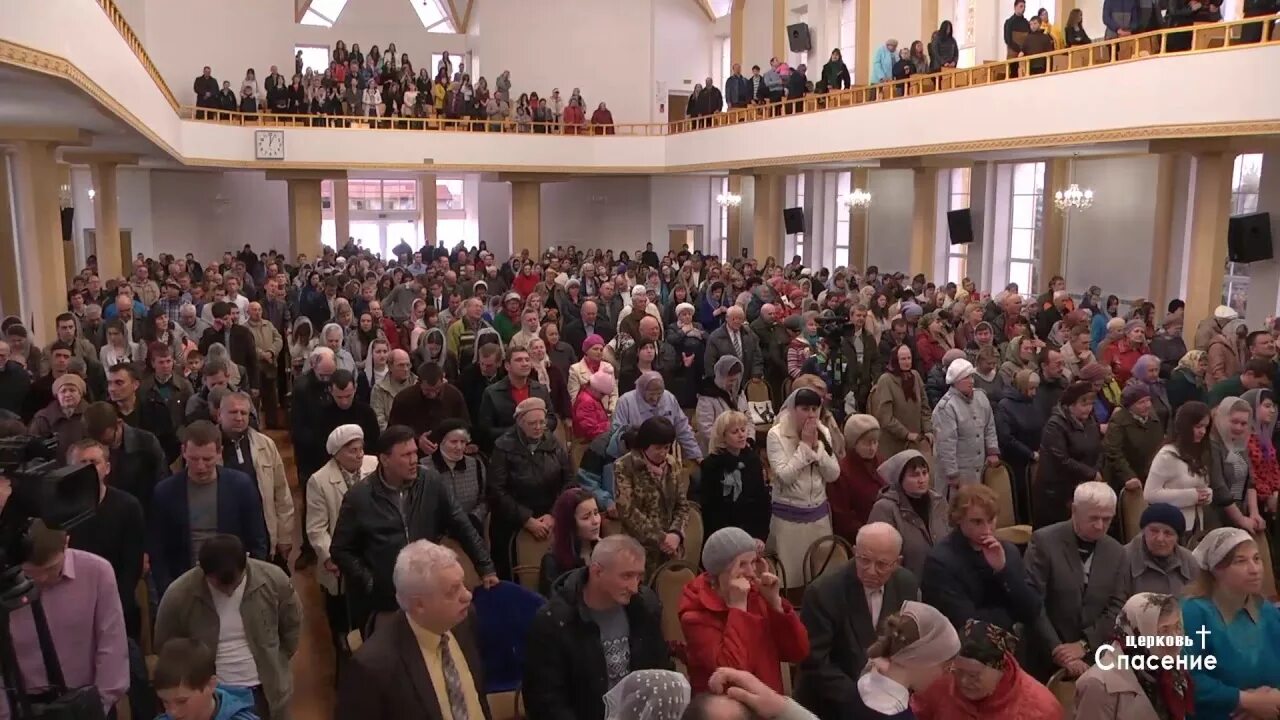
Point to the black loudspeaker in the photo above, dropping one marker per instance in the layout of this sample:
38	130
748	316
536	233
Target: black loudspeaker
960	226
68	218
798	35
1249	238
793	219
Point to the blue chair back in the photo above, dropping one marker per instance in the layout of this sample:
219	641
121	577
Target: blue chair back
504	613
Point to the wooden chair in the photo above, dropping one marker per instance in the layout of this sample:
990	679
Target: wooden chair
1132	505
693	536
609	526
668	582
1000	480
1064	689
526	558
770	562
469	574
825	555
505	705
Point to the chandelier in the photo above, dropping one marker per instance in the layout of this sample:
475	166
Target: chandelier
858	199
1073	198
728	199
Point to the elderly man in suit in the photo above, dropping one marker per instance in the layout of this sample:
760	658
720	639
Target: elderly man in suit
590	323
424	663
843	613
1080	571
736	339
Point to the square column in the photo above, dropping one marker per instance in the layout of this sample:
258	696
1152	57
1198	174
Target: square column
10	285
40	235
1207	242
341	212
427	208
1162	235
924	220
106	218
733	232
1057	174
859	218
305	216
526	217
767	218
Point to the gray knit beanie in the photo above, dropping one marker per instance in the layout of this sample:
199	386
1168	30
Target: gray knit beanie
723	546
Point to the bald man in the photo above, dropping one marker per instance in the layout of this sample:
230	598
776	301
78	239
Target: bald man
773	349
736	339
400	377
310	395
844	611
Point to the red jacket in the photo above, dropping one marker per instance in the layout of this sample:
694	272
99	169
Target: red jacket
393	335
757	640
589	417
852	494
1121	356
1266	471
524	284
930	352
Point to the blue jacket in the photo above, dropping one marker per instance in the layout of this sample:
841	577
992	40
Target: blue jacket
233	703
169	522
737	90
1248	654
882	65
1111	7
1098	330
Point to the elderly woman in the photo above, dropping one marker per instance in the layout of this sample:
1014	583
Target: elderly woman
803	459
913	650
1156	561
986	682
1122	354
648	695
1146	373
63	418
527	470
1186	382
854	493
1179	475
650	399
651	492
764	632
577	530
733	491
1230	476
898	403
463	474
1071	453
909	504
332	336
1242	630
1134	436
681	356
325	489
1018	429
1141	688
722	394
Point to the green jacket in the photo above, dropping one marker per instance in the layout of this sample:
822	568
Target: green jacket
1129	447
1232	386
272	622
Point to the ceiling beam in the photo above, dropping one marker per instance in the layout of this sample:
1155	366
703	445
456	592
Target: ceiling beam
466	17
454	18
300	8
46	133
705	5
91	157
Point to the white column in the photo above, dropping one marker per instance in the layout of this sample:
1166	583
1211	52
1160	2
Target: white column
1264	276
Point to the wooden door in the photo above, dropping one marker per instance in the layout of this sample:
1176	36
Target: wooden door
676	106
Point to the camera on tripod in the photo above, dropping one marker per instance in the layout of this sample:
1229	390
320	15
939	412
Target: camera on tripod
41	488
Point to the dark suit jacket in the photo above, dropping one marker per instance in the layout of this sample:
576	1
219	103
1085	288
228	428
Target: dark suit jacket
836	614
574	333
498	410
243	350
1075	607
169	523
387	679
719	345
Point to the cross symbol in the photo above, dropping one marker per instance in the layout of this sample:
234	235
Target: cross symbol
1203	633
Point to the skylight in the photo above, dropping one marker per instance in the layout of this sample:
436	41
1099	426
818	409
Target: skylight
433	16
323	12
721	7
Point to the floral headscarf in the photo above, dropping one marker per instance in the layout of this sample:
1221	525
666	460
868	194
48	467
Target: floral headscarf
1168	690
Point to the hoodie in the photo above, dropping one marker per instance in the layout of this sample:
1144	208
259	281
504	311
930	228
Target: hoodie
919	530
230	703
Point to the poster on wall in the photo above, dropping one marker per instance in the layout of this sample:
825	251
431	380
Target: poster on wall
660	101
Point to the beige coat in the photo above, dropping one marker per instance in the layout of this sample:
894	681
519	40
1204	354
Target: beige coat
897	414
266	338
1224	360
580	377
1112	695
384	395
272	619
325	490
277	501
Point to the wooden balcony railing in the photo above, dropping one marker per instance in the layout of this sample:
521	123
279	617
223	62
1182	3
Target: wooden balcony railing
1193	39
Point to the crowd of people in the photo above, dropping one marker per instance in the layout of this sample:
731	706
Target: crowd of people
384	85
596	405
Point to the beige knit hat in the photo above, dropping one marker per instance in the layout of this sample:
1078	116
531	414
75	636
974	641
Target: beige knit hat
857	426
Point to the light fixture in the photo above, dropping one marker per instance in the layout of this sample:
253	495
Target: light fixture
1073	198
728	199
92	194
858	199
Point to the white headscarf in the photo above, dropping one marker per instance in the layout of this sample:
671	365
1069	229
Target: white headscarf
648	695
1217	545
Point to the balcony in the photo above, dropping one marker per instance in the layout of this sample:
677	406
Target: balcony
1115	91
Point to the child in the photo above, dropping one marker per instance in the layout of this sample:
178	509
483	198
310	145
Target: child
189	689
589	416
798	348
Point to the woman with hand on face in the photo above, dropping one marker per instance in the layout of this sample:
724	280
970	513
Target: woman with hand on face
734	616
577	530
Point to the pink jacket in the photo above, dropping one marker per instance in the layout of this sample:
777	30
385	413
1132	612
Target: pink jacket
589	417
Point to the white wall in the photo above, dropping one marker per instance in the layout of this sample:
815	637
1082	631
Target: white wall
680	200
685	51
1107	244
757	35
494	217
597	213
133	198
893	19
889	219
1264	276
207	213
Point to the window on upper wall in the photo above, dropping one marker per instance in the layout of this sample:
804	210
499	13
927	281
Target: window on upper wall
844	182
724	218
364	194
323	13
958	255
1026	226
849	32
799	241
720	8
449	195
1246	178
314	57
433	16
725	66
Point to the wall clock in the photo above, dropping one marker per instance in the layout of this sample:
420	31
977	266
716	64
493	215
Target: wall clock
268	144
